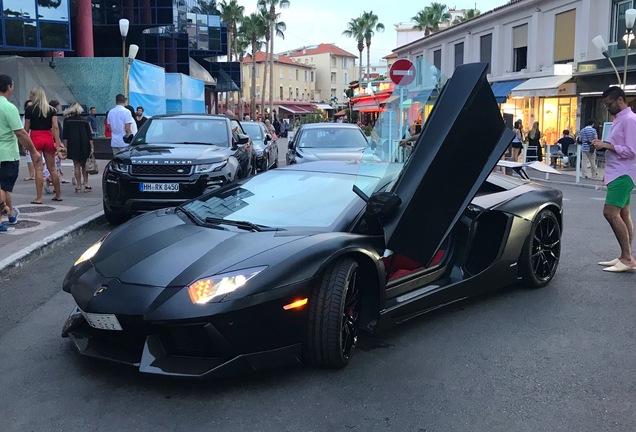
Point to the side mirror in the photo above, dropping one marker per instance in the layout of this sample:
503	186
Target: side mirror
290	145
242	139
267	138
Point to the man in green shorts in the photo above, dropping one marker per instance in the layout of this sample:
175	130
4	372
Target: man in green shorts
620	173
11	130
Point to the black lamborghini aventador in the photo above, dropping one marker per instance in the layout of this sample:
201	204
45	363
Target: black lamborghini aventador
290	265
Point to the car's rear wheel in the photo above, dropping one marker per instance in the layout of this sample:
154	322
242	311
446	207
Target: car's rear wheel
114	218
333	316
541	251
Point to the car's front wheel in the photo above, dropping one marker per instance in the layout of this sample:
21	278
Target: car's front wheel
333	316
541	251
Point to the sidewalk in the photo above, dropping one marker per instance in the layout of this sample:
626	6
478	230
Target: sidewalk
42	227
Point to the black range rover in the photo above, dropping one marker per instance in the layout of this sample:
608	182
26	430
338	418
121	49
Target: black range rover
174	158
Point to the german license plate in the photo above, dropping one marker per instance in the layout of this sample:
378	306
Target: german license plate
102	321
159	187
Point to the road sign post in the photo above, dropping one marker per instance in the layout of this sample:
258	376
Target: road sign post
402	73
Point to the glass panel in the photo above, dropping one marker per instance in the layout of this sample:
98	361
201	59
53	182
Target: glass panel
21	33
203	37
214	21
19	8
53	35
202	20
53	10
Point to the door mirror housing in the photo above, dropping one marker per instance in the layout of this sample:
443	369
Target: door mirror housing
242	139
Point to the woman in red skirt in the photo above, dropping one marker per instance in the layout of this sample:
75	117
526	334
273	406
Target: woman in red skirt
41	121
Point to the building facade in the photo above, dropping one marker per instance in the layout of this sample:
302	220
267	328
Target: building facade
540	55
294	85
335	68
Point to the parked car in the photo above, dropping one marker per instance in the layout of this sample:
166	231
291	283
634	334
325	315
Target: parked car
265	148
172	159
326	141
291	264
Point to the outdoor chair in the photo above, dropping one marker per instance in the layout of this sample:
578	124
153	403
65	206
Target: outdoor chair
555	155
530	153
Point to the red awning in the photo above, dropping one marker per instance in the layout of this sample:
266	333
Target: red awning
296	109
371	104
340	113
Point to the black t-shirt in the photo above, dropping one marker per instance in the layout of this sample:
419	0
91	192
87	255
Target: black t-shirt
565	143
39	122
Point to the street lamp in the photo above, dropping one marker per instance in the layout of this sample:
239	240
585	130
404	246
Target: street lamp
600	44
123	31
132	53
630	17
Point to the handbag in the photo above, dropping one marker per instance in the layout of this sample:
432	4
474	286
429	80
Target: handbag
91	165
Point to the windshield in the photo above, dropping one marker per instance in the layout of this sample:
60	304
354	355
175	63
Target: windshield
286	198
331	137
202	130
254	130
398	113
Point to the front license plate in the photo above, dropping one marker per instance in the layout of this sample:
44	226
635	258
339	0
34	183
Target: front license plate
102	321
159	187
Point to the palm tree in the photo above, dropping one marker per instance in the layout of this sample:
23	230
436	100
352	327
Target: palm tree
356	30
271	5
429	18
232	14
241	44
205	7
467	14
252	29
370	25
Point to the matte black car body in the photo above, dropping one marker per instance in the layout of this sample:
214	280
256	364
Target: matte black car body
329	141
408	240
174	161
265	148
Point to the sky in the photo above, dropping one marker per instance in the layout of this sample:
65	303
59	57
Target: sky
310	22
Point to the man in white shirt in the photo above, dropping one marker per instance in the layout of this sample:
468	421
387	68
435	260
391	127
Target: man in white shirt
120	120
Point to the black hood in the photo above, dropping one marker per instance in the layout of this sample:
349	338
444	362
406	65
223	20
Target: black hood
167	250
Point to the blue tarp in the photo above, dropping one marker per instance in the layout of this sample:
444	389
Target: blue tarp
147	88
184	94
503	88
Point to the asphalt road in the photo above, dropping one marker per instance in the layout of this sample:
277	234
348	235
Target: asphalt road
555	359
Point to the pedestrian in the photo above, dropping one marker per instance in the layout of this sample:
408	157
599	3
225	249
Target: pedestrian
41	122
120	121
270	129
276	125
534	136
230	114
60	154
140	118
246	117
564	144
620	174
79	144
92	120
517	141
586	136
11	131
29	161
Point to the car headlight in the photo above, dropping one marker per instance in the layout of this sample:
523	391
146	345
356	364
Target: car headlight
209	167
90	252
119	166
205	290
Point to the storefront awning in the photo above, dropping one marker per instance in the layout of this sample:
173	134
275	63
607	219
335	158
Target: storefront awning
367	104
323	106
543	87
296	109
340	113
503	88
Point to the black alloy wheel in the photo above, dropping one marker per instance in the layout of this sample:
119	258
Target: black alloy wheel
334	315
542	251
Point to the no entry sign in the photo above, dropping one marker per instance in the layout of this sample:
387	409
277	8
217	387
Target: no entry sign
402	72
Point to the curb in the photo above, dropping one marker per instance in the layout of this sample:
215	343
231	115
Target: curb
42	247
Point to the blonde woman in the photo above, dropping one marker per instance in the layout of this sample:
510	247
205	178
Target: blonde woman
534	137
41	122
78	140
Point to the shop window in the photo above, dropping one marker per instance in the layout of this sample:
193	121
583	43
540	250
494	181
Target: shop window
459	54
564	36
520	47
618	22
485	50
437	59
